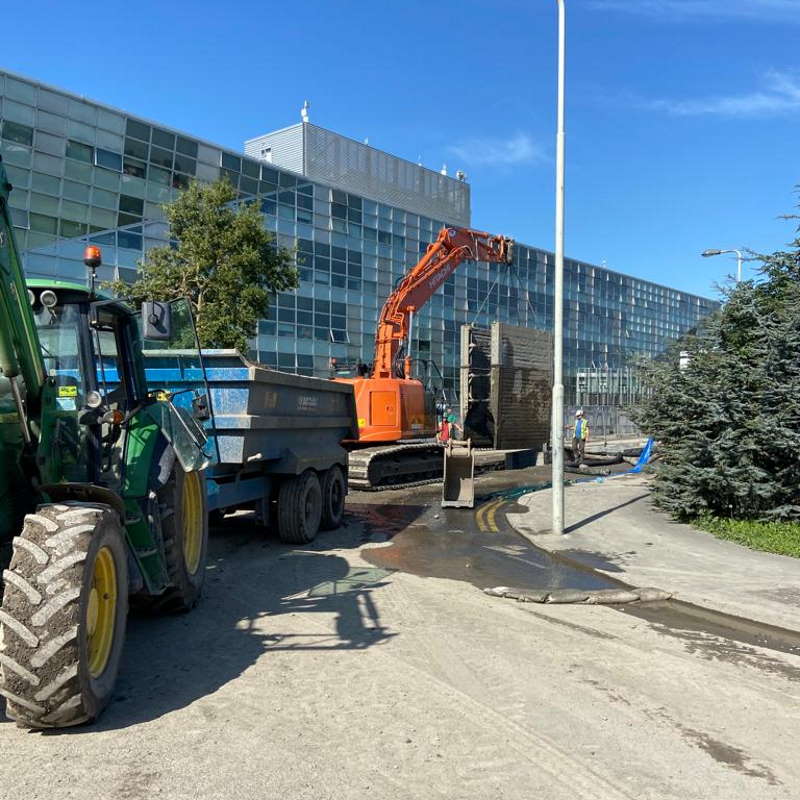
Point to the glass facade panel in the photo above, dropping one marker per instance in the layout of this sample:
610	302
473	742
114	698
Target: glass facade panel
47	143
16	132
50	101
107	159
16	154
17	112
163	139
187	147
79	151
135	148
138	130
46	121
44	183
110	121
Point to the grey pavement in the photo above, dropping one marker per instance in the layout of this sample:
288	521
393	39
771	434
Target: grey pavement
613	527
308	673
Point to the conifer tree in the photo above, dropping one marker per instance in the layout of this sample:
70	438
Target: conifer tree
729	421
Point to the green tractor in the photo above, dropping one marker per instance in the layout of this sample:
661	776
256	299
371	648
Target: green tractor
102	492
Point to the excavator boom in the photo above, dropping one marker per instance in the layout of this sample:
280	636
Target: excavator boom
441	259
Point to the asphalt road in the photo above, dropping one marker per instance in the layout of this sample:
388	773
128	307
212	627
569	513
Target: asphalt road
370	664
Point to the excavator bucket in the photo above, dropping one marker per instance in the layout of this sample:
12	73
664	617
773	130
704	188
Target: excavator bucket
458	489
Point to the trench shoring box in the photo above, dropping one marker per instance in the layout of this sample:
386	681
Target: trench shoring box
506	380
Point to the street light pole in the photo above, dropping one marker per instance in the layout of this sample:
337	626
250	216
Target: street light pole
709	253
557	421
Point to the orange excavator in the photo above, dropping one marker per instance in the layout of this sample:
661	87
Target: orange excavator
394	410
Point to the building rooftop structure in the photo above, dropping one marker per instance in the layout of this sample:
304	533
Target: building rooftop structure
327	156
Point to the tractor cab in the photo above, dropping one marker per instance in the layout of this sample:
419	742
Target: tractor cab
92	357
92	352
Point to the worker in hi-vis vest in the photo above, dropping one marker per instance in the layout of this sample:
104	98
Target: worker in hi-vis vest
580	436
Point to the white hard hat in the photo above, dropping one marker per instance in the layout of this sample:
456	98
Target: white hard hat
579	412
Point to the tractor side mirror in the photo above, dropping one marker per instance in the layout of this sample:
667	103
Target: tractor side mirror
156	321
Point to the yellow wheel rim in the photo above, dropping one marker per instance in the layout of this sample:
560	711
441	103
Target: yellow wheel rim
192	513
101	611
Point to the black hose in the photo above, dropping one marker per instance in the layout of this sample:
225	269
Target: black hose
599	461
632	452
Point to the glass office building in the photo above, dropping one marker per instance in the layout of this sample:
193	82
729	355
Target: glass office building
83	171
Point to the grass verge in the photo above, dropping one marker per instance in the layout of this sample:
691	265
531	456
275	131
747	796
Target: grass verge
773	537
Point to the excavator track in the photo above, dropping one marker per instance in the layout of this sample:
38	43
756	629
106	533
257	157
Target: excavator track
401	466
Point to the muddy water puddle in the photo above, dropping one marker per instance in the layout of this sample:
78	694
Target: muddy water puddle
450	543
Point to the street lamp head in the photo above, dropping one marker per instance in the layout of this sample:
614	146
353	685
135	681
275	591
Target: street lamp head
707	253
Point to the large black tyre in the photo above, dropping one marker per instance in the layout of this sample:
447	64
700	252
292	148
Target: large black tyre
183	508
299	508
63	618
334	491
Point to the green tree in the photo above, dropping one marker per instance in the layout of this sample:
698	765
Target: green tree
225	264
729	420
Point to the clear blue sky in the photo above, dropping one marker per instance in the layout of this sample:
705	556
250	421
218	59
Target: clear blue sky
683	115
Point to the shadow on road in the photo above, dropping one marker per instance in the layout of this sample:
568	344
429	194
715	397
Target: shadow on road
253	585
604	513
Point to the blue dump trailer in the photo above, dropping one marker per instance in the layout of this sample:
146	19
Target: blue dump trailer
274	439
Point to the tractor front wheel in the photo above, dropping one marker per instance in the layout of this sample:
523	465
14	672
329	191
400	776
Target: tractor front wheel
62	622
184	525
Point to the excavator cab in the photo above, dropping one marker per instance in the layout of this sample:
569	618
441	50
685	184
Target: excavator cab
392	409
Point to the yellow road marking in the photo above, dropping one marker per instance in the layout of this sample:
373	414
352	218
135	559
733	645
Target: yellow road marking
490	515
479	517
485	516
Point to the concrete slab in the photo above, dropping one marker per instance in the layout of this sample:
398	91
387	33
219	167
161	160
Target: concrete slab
613	528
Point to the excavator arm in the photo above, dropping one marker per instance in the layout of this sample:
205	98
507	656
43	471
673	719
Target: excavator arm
441	259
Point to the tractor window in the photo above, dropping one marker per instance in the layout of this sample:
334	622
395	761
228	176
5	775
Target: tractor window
58	333
115	368
181	333
175	376
174	364
108	373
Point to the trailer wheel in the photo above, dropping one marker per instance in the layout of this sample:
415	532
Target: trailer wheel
334	490
184	525
299	508
63	615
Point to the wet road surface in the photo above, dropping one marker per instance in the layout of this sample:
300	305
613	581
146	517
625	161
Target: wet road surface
480	547
477	546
